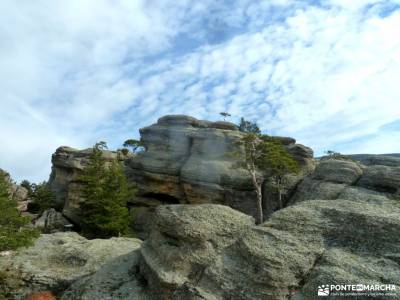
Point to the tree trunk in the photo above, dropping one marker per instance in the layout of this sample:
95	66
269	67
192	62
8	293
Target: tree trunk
280	199
279	194
259	216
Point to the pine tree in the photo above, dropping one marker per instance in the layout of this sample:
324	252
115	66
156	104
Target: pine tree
261	157
14	230
249	127
279	164
105	193
135	145
42	197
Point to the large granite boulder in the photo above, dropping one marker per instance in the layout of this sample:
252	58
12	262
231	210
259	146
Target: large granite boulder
52	221
338	171
67	165
189	161
213	252
117	279
381	178
56	261
351	180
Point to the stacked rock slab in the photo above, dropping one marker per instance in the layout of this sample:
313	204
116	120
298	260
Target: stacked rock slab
351	180
185	161
190	161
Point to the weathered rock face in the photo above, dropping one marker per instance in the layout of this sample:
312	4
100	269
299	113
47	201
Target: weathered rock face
67	166
17	193
390	160
213	252
51	221
55	261
346	179
188	161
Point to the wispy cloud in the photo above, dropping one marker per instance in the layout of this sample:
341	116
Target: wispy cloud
74	72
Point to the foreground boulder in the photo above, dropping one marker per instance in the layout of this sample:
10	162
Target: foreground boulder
213	252
55	262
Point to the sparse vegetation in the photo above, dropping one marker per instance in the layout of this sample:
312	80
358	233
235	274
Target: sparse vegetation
105	194
14	229
225	115
263	156
249	127
134	145
255	159
26	184
280	164
331	154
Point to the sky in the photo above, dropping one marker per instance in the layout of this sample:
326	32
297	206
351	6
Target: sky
79	71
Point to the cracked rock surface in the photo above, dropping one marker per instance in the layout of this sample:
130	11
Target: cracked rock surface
213	252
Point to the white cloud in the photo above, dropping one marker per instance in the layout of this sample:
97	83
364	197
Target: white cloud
75	72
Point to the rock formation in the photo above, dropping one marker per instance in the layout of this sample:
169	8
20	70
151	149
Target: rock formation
189	161
51	221
17	192
186	161
213	252
55	261
67	166
348	179
340	226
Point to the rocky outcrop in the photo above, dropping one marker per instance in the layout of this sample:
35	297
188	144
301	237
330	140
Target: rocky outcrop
347	179
390	160
56	261
381	178
52	221
67	166
338	171
118	279
213	252
17	193
189	161
185	161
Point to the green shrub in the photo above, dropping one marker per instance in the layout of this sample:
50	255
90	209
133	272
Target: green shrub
26	184
106	193
42	197
14	230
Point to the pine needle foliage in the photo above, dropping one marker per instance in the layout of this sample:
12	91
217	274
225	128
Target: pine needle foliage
263	157
14	228
105	192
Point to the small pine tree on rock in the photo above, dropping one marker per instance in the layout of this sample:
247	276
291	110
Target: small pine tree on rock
248	126
14	229
279	164
262	157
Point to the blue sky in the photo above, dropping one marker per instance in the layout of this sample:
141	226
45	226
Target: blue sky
79	71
